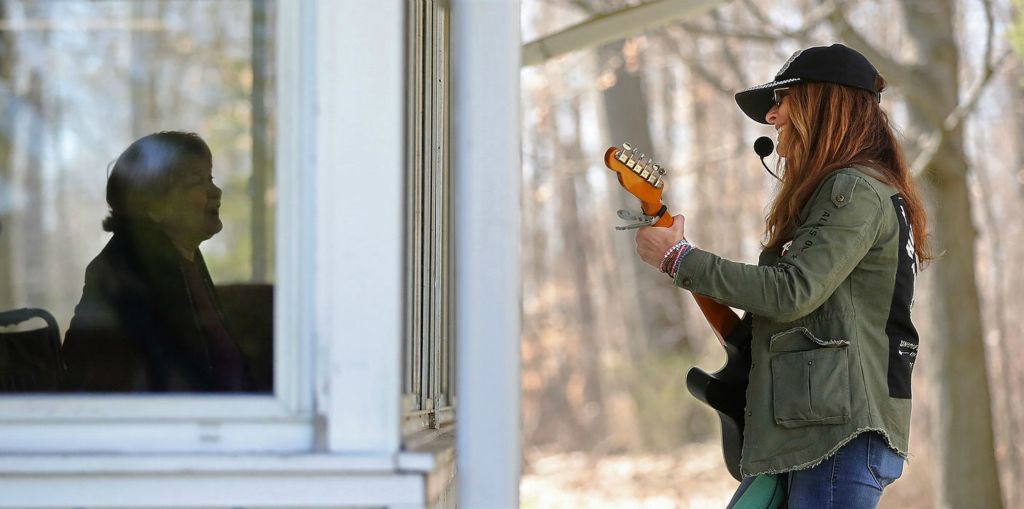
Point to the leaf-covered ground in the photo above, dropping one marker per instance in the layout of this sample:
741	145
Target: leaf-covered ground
692	477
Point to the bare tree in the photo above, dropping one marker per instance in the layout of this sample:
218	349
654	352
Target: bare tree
262	164
7	135
968	473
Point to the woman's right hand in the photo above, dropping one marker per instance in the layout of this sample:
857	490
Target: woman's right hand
653	242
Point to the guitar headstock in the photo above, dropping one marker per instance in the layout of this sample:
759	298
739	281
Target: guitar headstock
637	173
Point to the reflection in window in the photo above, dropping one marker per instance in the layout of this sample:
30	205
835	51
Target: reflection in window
80	81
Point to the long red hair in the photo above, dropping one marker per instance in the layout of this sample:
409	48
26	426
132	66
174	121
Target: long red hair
831	127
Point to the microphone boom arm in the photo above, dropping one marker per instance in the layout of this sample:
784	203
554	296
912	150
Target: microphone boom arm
764	147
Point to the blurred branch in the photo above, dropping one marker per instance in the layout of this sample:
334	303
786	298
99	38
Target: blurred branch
815	18
612	26
694	64
758	13
730	57
886	65
584	6
989	33
84	25
723	33
802	35
933	141
694	28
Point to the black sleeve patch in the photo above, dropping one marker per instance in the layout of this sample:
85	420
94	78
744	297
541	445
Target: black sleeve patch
903	338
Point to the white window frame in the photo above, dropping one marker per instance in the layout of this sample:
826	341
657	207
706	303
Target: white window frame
338	297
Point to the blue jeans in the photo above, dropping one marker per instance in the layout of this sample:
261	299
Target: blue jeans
852	478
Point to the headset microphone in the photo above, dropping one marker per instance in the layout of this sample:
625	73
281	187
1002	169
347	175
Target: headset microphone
764	146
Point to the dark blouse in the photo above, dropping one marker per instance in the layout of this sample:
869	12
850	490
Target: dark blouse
150	321
225	356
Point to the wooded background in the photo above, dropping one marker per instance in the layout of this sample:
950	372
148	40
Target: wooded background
607	421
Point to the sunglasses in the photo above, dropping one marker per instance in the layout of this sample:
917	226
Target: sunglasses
779	94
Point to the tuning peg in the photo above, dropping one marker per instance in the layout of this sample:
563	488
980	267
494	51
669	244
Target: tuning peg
626	146
659	169
622	156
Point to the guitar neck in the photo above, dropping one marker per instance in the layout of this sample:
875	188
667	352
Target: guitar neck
643	179
720	317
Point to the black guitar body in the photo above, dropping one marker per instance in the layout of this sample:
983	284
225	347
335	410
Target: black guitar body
726	391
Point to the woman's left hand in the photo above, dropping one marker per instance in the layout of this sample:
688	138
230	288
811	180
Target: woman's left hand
652	242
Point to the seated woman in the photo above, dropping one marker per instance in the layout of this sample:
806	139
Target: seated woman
149	319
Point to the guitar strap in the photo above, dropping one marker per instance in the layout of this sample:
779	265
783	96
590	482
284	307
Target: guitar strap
661	212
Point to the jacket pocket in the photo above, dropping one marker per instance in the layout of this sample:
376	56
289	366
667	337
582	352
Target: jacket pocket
810	379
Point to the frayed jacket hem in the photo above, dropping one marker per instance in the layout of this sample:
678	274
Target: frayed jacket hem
817	461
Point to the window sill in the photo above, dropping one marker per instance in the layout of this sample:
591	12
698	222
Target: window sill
431	451
208	481
195	464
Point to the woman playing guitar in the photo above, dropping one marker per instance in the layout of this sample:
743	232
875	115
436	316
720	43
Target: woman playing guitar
827	414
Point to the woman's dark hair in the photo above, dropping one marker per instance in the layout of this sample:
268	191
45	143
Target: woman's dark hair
146	171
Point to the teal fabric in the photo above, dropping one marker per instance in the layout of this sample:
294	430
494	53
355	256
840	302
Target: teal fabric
761	492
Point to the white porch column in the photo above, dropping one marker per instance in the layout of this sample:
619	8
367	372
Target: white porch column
485	43
360	170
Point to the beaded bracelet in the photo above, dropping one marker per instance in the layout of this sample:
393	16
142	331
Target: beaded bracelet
679	259
672	254
668	259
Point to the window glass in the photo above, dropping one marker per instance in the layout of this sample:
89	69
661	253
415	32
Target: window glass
137	195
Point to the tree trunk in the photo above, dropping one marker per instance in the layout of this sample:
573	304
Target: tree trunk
999	325
588	346
262	165
968	473
8	102
572	386
613	355
32	237
142	73
649	300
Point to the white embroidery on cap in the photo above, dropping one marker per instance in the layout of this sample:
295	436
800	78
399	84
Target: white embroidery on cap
773	84
786	65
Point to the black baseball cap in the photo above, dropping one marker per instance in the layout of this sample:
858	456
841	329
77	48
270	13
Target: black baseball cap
832	64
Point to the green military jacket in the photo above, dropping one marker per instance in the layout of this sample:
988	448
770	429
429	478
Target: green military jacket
833	345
